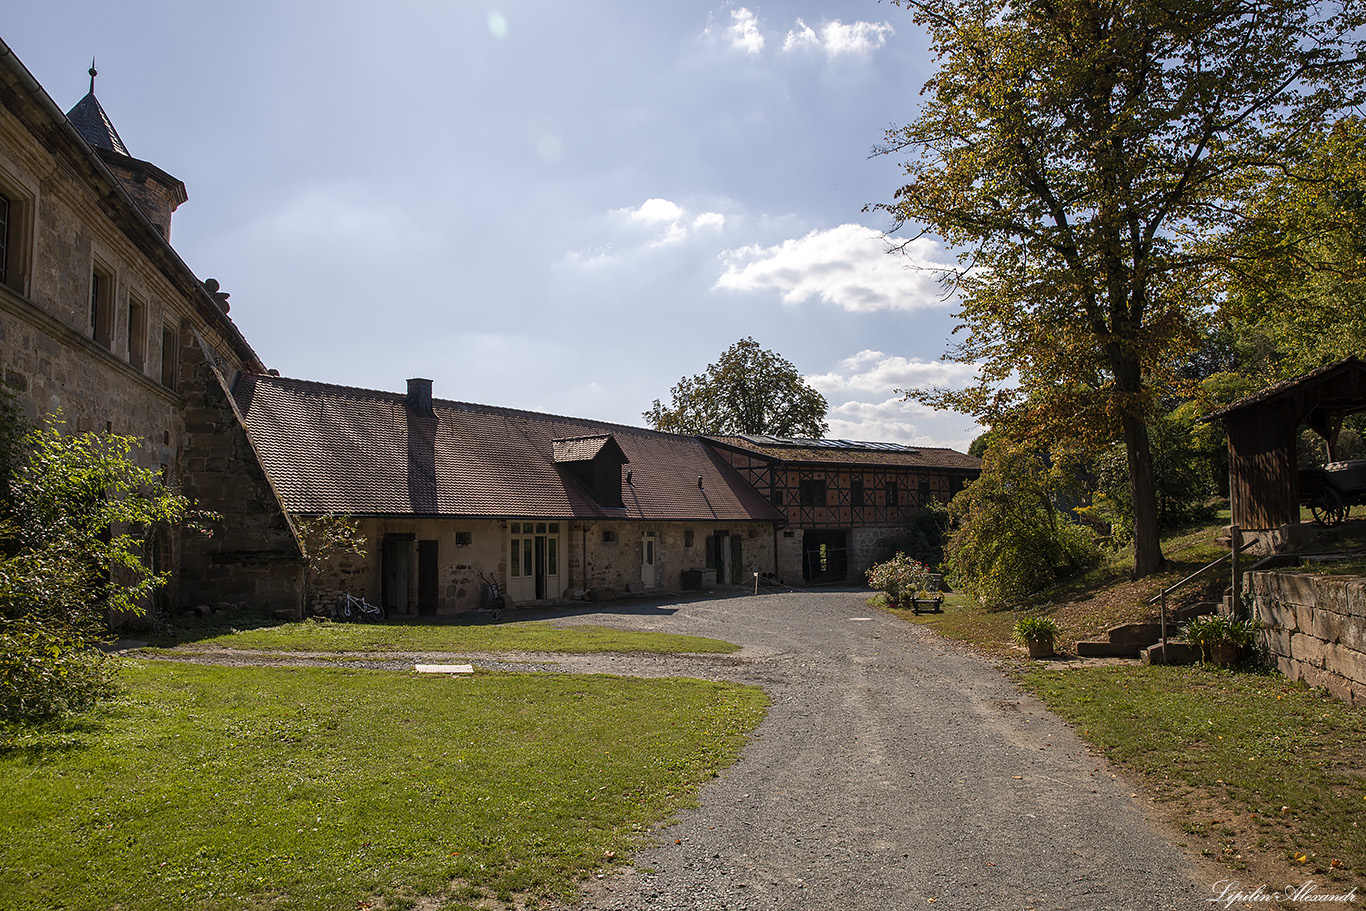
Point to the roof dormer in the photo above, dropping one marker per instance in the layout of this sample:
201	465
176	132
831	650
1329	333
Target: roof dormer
596	462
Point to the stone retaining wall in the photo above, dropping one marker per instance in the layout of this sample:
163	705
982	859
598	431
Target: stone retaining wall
1315	628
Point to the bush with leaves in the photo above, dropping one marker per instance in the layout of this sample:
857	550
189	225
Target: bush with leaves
76	526
926	534
900	578
327	539
1011	541
47	670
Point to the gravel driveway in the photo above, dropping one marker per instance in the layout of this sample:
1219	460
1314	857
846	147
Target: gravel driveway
893	771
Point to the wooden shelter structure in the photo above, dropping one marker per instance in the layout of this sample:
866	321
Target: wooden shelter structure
1263	430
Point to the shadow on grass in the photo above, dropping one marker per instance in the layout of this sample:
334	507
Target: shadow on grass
37	744
188	629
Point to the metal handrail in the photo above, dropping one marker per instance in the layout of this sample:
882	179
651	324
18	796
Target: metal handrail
1162	595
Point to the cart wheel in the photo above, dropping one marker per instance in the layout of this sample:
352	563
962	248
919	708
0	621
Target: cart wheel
498	613
1330	509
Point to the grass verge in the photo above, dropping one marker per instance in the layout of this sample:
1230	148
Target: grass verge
326	636
303	788
1262	773
1220	752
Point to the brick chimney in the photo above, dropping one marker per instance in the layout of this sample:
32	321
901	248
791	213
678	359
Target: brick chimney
420	397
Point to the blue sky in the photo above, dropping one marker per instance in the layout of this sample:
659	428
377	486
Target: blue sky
551	206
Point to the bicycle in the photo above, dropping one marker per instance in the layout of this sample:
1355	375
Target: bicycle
493	596
349	607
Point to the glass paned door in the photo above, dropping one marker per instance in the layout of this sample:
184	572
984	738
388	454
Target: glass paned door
647	559
534	561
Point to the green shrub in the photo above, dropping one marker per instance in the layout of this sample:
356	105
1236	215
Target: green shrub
1206	632
77	517
926	534
47	671
1034	629
1011	541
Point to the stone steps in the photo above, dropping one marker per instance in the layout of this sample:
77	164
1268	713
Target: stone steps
1177	653
1135	640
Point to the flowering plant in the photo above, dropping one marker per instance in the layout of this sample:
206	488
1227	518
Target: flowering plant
900	577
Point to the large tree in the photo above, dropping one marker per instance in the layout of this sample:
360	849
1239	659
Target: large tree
1075	152
1298	296
748	390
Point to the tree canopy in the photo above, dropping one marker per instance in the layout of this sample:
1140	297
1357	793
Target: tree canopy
1080	154
1298	291
748	390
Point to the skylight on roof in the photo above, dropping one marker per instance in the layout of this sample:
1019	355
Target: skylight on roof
805	443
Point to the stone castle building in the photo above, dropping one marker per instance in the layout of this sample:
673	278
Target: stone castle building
102	324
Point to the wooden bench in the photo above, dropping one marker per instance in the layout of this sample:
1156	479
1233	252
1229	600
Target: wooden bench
928	605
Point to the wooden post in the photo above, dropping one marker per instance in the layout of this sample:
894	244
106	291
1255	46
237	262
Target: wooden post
1237	539
1164	627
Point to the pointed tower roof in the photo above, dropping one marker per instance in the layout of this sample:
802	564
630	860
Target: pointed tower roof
93	123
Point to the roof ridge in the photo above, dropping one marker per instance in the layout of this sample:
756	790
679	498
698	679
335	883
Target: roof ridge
471	406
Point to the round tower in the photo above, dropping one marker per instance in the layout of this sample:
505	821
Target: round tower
157	193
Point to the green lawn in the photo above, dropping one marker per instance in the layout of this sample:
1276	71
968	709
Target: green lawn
1256	764
325	636
265	788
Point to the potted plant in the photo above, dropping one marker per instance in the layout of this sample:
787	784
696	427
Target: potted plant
1220	640
1036	634
899	578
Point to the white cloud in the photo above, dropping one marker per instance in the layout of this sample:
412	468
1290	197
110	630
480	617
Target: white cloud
867	404
655	211
833	38
837	39
895	420
653	224
847	266
801	38
742	34
873	371
671	220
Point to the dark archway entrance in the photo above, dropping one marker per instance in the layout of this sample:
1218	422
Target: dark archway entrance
825	556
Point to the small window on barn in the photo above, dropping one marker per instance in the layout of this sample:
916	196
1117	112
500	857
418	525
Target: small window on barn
777	498
811	493
687	537
463	539
856	493
608	536
925	494
890	489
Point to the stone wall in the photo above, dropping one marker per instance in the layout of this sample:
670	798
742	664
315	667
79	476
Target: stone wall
592	555
869	546
789	569
1315	628
464	549
616	564
252	561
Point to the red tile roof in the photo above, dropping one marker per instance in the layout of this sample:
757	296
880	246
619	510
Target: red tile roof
848	452
341	449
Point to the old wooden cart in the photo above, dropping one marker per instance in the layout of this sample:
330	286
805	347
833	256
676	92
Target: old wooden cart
1330	492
